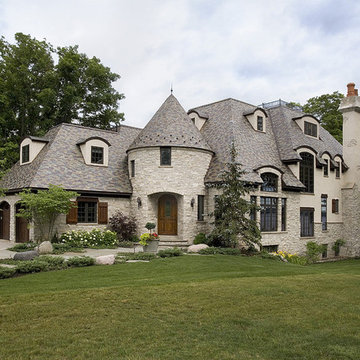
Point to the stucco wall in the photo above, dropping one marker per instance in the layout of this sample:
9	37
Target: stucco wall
184	179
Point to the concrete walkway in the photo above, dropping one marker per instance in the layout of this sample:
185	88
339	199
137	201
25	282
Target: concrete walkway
6	254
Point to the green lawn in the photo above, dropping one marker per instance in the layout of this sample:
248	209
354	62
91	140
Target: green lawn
192	307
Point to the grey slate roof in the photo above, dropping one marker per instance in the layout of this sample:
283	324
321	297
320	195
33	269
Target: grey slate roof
60	162
170	126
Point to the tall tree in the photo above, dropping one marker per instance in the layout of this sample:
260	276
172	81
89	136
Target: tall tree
36	93
232	210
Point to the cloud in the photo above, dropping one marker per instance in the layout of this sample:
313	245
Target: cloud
255	51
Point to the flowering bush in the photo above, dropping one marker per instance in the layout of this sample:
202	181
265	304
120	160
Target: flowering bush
123	225
93	238
146	237
291	258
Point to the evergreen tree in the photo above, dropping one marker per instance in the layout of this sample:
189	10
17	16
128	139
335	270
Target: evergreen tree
232	223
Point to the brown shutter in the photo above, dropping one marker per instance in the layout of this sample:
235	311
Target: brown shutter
103	213
333	205
71	217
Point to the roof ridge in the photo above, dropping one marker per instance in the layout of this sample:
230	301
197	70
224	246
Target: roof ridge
91	128
219	101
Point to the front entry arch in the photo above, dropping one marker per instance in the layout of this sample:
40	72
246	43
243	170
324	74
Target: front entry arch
167	215
4	221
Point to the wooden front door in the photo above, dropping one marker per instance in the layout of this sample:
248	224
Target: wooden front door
167	215
21	224
5	221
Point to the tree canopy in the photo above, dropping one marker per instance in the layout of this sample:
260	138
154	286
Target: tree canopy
38	92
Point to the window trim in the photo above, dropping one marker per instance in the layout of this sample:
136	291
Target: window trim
25	149
309	128
87	201
335	206
162	153
132	168
306	171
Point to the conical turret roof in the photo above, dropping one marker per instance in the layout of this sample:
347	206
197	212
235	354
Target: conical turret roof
170	126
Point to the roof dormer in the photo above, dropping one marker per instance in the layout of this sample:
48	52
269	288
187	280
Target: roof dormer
257	119
95	151
30	148
198	119
309	125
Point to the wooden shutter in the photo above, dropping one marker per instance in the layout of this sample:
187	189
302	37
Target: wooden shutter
71	217
102	212
335	205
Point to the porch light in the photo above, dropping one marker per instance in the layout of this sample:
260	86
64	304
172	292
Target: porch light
192	202
139	202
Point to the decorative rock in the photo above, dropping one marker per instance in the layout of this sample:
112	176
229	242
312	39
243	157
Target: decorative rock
26	255
45	248
105	260
197	248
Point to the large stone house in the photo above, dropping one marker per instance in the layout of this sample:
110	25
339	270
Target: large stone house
306	183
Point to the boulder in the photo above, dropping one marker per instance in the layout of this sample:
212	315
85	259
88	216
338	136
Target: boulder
105	260
197	248
26	255
45	248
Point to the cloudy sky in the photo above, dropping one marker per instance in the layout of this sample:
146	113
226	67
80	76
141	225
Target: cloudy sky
255	51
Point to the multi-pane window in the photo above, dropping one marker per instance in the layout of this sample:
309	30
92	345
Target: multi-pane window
25	156
132	168
310	129
326	168
260	123
306	222
270	248
165	155
338	169
270	182
324	212
268	213
97	155
307	171
201	207
335	206
87	211
283	214
253	209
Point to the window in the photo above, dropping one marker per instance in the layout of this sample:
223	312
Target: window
97	155
270	248
326	168
307	171
306	222
165	155
25	156
337	169
201	202
325	250
324	212
132	168
310	129
253	209
335	206
283	214
87	212
193	120
260	123
268	214
270	182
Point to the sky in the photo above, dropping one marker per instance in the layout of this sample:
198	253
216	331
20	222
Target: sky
255	51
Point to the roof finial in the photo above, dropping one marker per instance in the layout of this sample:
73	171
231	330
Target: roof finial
171	89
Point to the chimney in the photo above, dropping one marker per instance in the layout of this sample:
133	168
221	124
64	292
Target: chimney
351	90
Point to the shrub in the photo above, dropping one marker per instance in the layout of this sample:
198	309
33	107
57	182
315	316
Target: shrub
62	248
337	244
136	256
80	261
23	247
126	244
54	262
200	239
170	252
150	226
124	226
313	250
6	272
32	266
93	238
218	250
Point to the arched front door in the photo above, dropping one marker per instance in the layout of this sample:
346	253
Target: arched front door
4	221
167	215
21	224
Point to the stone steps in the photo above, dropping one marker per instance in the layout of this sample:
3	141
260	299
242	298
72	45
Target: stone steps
168	242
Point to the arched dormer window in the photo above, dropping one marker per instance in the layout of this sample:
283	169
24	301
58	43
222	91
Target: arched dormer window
307	171
95	151
270	182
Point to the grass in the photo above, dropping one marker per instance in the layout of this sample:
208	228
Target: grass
189	307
